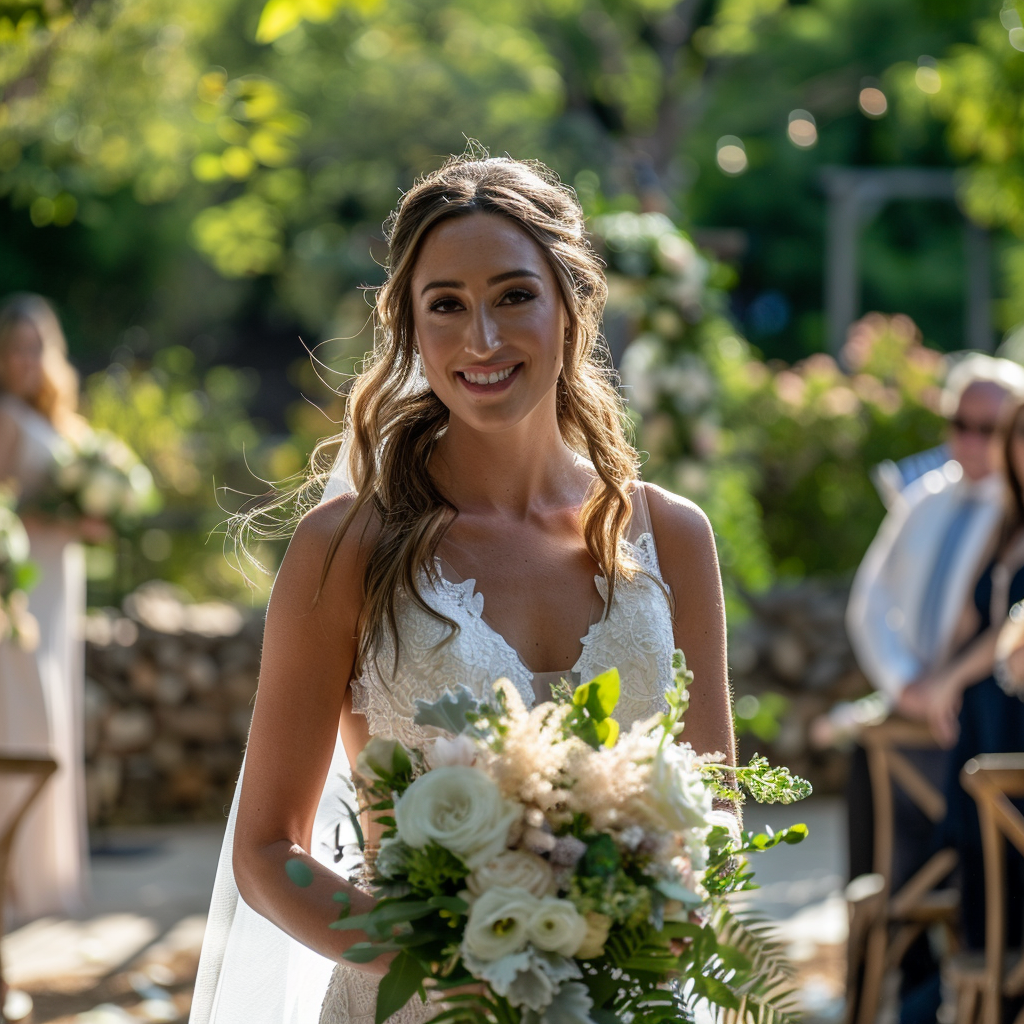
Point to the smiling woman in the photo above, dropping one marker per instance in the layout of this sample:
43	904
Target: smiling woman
494	526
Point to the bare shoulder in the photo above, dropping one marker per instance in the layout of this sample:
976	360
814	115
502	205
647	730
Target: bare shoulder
322	568
682	531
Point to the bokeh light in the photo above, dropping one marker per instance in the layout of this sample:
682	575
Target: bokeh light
927	75
872	102
731	154
802	130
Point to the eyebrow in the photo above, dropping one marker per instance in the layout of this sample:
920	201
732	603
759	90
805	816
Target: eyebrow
497	279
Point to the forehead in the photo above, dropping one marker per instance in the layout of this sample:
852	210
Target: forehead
24	334
477	246
982	397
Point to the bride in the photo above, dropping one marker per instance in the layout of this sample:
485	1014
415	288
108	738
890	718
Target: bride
486	515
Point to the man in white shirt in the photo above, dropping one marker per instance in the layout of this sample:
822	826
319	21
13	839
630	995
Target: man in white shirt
917	576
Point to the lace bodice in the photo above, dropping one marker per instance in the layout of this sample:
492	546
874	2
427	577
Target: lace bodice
635	637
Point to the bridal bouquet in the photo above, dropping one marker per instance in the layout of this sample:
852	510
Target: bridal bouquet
549	870
98	478
17	574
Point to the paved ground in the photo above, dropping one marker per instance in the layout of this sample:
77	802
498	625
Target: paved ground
133	956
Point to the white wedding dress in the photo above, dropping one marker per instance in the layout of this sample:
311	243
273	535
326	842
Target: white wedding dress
250	970
41	700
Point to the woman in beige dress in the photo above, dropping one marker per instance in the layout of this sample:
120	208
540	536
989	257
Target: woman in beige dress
41	691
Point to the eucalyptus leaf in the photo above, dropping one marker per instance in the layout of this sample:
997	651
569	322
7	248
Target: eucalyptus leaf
450	712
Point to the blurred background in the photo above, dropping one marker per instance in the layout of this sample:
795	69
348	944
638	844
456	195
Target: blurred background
803	204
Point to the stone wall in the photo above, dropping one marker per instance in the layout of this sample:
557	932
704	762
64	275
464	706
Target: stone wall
168	701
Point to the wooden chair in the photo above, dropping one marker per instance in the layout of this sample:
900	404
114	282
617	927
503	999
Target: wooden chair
981	980
883	923
38	770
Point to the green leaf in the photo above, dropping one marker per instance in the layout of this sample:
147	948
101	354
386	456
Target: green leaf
379	921
608	732
450	712
365	952
353	817
600	695
675	891
278	18
299	872
399	985
720	993
450	903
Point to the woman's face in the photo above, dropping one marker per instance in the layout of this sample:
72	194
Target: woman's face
21	362
1017	447
489	320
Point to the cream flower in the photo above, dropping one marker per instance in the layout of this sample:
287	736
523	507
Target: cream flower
676	797
598	926
444	752
513	869
497	923
556	926
458	808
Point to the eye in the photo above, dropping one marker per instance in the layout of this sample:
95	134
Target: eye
447	304
516	295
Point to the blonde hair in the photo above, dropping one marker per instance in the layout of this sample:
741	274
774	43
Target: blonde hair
57	397
393	421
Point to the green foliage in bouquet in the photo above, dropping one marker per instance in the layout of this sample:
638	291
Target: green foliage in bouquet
17	576
543	867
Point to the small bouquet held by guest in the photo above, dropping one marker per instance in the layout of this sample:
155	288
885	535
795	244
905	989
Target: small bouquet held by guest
99	483
539	867
17	575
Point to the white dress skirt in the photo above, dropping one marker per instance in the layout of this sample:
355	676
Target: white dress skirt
41	704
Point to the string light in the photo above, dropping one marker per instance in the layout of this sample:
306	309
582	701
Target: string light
873	102
802	130
731	154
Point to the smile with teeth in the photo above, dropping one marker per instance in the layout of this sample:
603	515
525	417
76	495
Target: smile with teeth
487	378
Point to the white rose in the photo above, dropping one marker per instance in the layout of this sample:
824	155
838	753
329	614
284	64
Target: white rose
513	869
458	808
676	797
598	926
445	752
497	923
377	756
556	926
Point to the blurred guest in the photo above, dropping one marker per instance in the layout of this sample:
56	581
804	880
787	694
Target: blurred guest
905	607
967	707
912	585
41	691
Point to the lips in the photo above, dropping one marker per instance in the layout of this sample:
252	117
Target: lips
486	380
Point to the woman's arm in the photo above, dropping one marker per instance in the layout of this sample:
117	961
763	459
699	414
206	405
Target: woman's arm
308	655
943	693
10	438
689	565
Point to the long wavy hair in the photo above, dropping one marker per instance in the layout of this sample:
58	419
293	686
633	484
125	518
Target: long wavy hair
57	397
394	421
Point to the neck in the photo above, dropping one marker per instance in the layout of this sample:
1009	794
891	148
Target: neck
510	471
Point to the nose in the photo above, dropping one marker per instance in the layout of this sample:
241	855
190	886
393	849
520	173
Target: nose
483	336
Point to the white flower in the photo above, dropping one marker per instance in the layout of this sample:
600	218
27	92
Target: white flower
445	752
458	808
497	923
377	756
598	926
676	797
556	926
102	494
513	869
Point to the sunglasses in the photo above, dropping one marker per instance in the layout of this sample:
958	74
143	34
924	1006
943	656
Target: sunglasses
962	426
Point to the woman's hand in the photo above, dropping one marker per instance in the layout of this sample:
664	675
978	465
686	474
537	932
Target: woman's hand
943	710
